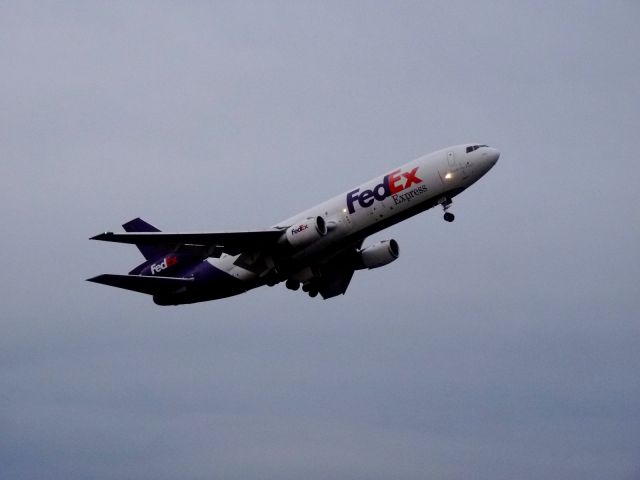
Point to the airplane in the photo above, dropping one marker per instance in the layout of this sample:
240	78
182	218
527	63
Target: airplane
317	250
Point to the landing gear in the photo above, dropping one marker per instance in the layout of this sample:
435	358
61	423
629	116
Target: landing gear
310	289
309	286
293	284
272	281
446	203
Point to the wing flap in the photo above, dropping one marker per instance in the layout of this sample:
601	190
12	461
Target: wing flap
143	284
334	282
336	274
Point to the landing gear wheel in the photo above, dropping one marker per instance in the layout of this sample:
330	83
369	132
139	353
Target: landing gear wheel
313	293
293	284
446	203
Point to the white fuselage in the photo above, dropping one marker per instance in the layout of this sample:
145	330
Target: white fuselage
385	200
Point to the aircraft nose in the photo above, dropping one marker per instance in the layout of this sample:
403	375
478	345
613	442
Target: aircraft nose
489	157
493	156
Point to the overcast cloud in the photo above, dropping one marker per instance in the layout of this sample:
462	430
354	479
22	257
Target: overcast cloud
504	345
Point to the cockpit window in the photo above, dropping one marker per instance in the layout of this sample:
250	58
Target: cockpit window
473	148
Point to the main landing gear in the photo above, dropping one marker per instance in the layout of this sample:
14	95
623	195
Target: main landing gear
306	287
310	290
292	284
448	216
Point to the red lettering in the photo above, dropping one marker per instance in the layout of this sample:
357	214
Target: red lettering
411	178
393	179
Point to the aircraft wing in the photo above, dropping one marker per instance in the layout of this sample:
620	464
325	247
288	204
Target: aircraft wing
143	284
229	242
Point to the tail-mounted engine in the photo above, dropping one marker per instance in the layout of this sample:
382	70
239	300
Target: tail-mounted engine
304	233
378	254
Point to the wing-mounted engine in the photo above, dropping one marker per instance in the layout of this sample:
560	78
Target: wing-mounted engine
304	233
378	255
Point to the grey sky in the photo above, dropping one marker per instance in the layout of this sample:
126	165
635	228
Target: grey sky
504	345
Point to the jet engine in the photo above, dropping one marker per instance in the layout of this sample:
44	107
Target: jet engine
379	254
305	233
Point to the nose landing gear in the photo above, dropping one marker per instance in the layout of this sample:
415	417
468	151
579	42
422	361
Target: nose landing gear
448	216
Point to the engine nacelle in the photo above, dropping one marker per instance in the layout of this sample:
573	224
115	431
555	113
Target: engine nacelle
305	233
379	254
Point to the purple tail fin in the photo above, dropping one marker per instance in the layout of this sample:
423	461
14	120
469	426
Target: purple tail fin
149	252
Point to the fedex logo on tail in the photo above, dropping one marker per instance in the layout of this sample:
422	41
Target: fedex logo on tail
392	184
166	263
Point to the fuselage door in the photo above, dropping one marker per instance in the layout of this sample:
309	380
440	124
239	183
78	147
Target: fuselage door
449	171
451	159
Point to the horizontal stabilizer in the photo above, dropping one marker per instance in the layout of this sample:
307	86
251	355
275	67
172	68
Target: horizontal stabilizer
143	284
229	242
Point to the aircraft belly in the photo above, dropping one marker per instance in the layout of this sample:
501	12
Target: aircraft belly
210	283
226	264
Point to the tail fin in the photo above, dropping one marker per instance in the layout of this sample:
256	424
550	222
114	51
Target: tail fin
149	252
